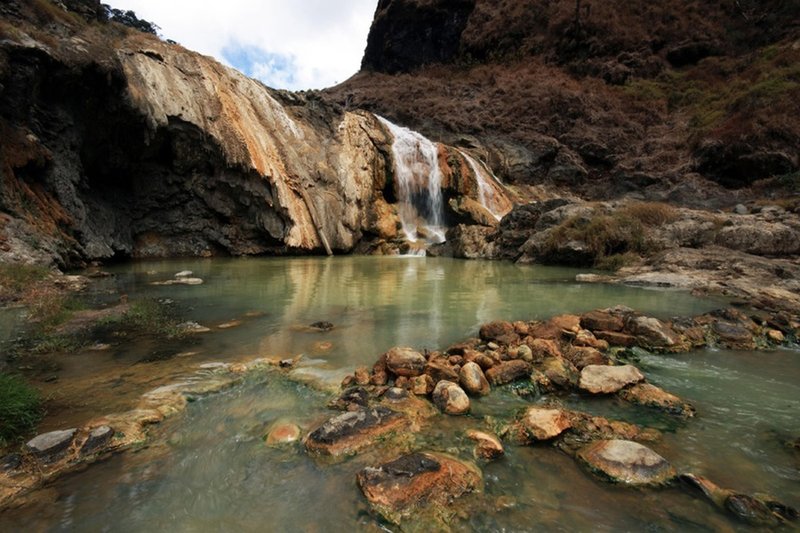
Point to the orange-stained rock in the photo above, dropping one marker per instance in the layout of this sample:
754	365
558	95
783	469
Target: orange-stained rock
473	381
282	433
541	423
352	431
404	361
508	371
602	321
499	331
582	356
568	323
652	396
627	462
487	446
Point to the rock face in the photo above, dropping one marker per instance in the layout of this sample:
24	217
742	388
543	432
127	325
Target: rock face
627	462
417	482
598	379
350	432
450	398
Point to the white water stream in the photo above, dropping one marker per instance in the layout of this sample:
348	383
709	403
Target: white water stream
489	194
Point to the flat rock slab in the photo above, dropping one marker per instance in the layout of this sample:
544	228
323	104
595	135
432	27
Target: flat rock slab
602	379
49	446
651	396
540	423
350	432
417	482
98	437
628	462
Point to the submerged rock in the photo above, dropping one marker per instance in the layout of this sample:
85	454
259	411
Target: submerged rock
601	379
418	482
283	433
450	398
51	446
487	446
350	432
404	361
627	462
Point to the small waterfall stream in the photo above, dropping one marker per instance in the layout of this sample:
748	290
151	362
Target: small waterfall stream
489	194
419	185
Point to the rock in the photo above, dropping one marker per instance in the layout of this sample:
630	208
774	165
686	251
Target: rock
351	399
350	432
404	361
508	372
560	372
525	353
184	274
602	321
283	433
473	381
543	348
362	375
422	385
567	323
450	398
540	423
230	324
98	437
651	396
615	338
322	325
583	356
733	335
488	446
600	379
192	327
741	209
587	339
627	462
775	336
439	368
179	281
417	482
499	331
651	332
10	462
394	394
51	446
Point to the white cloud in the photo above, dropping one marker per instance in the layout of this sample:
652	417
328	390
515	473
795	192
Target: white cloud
288	44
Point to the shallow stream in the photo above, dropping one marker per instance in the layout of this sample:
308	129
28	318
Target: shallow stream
209	469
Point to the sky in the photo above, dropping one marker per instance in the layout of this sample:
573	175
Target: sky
287	44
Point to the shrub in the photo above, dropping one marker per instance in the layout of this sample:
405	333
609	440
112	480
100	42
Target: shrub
15	280
651	213
20	408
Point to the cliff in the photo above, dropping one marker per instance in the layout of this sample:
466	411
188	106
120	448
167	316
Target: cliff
677	101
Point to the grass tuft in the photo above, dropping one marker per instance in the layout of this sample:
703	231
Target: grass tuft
20	408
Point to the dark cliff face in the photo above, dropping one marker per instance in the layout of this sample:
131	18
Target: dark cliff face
409	34
608	98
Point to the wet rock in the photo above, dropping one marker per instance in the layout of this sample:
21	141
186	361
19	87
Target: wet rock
51	446
283	433
567	323
525	353
394	394
184	274
488	446
586	338
192	327
508	371
10	462
351	399
473	380
380	373
417	482
651	332
230	324
98	438
541	423
615	338
543	348
362	375
560	372
755	510
651	396
602	321
404	361
422	385
499	331
733	335
350	432
600	379
450	398
775	336
179	281
583	356
439	368
322	325
627	462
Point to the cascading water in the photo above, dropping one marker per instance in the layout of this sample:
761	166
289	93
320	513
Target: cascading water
419	185
489	194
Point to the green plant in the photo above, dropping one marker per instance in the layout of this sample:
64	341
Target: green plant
144	316
20	408
16	279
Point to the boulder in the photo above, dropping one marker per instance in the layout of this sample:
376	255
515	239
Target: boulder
733	335
583	356
626	462
560	372
283	433
525	353
404	361
98	438
500	331
567	323
487	446
651	332
542	348
450	398
422	385
616	338
602	321
651	396
587	339
51	446
473	381
541	423
601	379
508	371
439	368
352	431
418	482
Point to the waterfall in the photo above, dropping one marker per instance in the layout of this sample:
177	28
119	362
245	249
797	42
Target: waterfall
489	193
418	182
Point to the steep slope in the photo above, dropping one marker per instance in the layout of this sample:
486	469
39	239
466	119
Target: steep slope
661	99
117	144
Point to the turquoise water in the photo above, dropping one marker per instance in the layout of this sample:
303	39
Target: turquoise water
209	470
